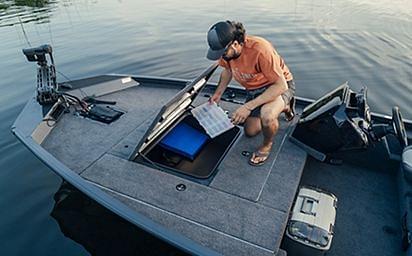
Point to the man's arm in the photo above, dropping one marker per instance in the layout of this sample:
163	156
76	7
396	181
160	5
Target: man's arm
224	80
270	94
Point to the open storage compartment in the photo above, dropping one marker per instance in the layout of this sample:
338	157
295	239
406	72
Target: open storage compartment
176	113
205	162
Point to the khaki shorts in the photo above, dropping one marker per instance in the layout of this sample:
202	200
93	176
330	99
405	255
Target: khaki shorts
286	96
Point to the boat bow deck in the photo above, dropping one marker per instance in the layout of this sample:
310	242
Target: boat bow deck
242	211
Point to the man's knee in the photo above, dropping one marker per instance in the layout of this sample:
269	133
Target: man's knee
251	132
270	112
268	117
270	121
252	126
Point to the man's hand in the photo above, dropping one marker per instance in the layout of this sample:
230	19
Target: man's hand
215	98
240	115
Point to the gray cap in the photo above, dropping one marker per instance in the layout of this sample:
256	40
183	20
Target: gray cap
219	36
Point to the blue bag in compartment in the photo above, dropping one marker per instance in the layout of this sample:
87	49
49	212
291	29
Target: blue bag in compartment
184	140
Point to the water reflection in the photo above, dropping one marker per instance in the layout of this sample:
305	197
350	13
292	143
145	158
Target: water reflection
25	11
100	231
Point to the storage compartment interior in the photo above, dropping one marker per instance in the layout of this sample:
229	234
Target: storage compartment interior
204	163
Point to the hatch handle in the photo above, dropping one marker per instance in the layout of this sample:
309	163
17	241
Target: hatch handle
308	206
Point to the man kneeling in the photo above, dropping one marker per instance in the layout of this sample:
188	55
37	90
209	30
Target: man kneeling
256	65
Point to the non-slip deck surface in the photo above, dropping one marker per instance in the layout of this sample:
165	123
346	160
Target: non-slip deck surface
368	219
244	209
234	216
78	142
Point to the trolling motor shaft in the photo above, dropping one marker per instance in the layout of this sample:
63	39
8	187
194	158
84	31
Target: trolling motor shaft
46	74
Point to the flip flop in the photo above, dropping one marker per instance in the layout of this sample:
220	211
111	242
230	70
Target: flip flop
289	115
260	154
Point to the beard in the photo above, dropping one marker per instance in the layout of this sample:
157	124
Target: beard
233	57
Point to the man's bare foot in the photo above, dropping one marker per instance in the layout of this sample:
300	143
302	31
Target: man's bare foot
261	155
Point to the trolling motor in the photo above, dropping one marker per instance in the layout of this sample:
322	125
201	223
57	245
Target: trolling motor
46	74
48	90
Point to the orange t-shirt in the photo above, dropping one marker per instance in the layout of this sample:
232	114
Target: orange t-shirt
258	65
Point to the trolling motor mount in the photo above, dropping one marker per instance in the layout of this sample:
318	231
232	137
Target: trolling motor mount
46	74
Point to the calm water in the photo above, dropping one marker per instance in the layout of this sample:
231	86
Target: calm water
324	42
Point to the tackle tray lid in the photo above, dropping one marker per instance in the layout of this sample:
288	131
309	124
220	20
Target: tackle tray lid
173	109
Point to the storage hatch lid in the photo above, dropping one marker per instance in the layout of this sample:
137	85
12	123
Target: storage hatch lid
173	109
